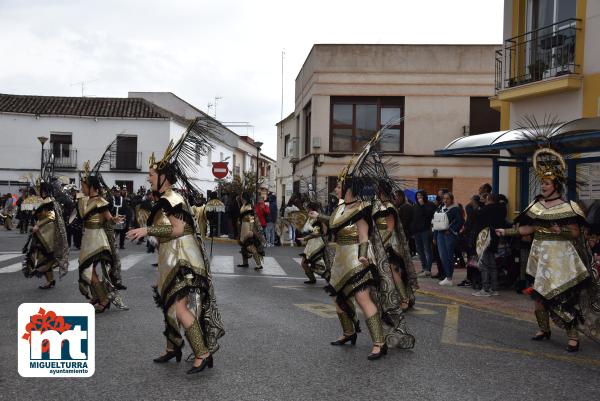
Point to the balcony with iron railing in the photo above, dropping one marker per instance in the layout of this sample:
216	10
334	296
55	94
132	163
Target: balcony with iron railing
62	158
538	55
126	161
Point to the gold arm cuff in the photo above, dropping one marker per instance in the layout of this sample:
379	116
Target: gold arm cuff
363	249
161	231
511	232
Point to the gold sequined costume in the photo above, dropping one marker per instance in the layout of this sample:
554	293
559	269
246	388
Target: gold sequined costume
396	247
48	246
184	270
349	275
250	236
95	248
314	250
564	277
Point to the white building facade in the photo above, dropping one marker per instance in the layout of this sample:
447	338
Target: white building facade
79	129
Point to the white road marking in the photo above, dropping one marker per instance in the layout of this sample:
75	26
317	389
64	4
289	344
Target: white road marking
9	256
271	267
222	264
15	267
131	260
298	260
73	264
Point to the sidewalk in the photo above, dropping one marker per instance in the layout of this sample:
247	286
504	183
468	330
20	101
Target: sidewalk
508	302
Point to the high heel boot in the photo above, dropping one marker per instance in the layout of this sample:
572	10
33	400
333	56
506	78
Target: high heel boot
348	329
543	319
196	340
376	331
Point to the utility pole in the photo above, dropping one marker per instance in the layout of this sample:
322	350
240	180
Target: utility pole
282	57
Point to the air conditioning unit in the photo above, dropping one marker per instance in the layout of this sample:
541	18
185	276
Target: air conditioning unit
316	142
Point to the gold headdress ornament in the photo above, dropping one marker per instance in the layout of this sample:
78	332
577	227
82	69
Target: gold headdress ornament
85	174
162	162
342	176
549	164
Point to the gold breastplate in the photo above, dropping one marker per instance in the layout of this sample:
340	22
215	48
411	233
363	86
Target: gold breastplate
348	235
381	223
161	219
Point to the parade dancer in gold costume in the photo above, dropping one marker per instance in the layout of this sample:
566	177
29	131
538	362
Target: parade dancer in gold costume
313	256
389	231
566	285
184	290
47	246
251	236
97	242
354	271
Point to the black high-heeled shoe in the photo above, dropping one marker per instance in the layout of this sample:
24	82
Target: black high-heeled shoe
208	361
47	286
573	348
545	335
345	339
243	265
257	268
376	355
176	353
310	282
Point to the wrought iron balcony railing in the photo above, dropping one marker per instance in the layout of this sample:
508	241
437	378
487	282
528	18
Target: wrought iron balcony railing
537	55
131	161
62	158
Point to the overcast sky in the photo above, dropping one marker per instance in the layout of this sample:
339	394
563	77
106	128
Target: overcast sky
200	49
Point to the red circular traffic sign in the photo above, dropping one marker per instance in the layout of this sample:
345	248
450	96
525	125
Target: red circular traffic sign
220	170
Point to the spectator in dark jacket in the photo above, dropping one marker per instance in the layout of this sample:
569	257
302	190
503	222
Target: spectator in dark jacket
492	215
271	219
422	213
405	213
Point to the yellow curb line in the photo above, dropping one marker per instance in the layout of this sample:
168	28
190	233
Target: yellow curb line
527	317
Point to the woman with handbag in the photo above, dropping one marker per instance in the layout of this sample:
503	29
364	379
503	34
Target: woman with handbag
447	224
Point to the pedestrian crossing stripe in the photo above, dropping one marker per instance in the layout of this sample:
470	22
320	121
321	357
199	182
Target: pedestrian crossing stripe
219	264
9	256
271	267
127	263
222	264
298	260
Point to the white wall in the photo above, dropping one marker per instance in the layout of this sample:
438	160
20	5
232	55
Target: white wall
20	150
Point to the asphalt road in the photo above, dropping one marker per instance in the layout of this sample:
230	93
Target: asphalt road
277	345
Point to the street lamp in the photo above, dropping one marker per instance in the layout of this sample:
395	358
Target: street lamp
42	140
258	146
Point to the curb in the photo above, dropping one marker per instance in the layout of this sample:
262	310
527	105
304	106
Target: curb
506	311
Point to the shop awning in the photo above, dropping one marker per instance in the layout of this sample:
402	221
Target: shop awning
581	135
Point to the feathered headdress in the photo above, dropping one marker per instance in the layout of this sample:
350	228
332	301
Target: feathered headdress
90	174
548	162
180	158
369	174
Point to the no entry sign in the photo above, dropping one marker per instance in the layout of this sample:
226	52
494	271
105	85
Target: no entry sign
220	170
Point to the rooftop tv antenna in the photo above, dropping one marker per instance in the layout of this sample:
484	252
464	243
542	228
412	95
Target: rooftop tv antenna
83	84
